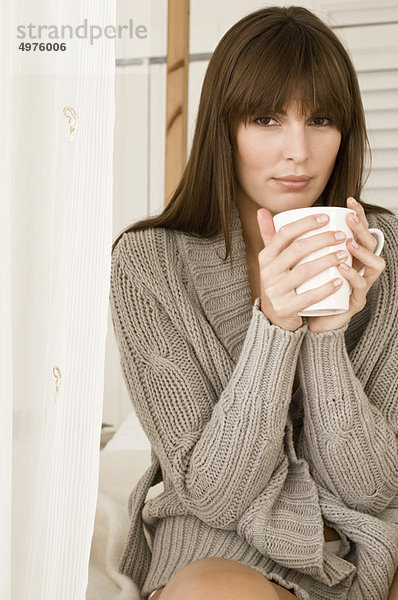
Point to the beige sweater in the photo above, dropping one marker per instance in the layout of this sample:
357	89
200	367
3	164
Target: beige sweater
248	474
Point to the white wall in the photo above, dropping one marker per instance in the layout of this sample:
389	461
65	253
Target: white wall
141	101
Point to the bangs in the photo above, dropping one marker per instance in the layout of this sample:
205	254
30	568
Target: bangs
289	66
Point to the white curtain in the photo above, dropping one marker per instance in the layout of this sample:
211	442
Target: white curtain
57	111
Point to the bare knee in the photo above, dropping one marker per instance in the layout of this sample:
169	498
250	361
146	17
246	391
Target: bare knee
218	579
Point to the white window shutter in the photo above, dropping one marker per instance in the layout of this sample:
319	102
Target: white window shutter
371	36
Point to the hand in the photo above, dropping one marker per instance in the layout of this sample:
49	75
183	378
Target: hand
280	274
362	256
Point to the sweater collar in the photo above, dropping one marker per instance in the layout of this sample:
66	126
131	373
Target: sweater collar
223	292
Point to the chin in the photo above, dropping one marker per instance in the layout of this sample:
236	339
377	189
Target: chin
292	205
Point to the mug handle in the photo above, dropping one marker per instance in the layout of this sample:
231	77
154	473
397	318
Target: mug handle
379	235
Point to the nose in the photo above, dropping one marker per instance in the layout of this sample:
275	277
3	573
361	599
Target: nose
296	143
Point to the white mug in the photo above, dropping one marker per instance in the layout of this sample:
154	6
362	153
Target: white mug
339	301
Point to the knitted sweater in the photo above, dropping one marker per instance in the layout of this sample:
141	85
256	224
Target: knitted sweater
248	474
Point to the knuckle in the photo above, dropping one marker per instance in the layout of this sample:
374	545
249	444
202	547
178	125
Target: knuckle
281	312
300	245
278	308
360	208
302	270
266	289
284	232
262	255
274	304
360	306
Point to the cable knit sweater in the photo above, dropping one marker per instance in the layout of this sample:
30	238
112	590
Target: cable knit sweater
248	473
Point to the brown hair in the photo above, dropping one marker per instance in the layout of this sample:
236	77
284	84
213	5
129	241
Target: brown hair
266	60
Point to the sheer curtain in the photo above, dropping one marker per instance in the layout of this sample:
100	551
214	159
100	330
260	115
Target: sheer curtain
57	110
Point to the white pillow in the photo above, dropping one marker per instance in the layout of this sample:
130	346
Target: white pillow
127	457
129	436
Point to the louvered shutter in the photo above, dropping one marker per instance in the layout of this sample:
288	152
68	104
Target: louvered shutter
371	35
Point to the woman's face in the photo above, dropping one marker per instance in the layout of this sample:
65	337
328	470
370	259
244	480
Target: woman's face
284	161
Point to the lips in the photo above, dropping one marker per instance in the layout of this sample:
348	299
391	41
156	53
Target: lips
294	178
292	182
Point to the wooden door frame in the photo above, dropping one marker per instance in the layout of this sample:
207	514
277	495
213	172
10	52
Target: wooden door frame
176	94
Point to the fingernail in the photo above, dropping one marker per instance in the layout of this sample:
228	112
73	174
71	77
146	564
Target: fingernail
353	201
355	218
354	244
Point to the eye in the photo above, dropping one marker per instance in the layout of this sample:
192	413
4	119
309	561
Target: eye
266	121
321	121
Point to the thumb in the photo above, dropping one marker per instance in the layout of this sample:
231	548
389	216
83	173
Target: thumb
266	225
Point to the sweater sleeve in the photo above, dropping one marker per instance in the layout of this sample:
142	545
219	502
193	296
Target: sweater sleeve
350	438
219	452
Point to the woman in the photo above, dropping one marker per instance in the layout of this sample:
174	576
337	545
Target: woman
275	436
